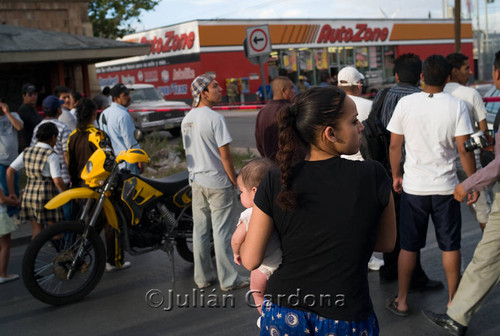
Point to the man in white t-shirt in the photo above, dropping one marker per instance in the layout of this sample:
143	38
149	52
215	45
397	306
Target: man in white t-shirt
350	80
460	73
213	180
429	123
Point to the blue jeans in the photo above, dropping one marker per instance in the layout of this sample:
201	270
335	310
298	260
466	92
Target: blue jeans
11	210
214	214
133	167
68	209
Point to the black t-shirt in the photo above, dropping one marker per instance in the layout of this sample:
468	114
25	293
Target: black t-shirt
327	240
30	118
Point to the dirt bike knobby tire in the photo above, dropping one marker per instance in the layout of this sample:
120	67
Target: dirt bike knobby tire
44	237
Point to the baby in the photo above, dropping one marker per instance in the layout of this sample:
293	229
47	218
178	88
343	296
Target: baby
248	180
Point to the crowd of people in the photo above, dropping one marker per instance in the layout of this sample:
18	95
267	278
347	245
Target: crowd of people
53	150
302	234
310	201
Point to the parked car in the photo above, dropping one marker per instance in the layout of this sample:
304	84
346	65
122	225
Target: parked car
492	107
146	100
482	88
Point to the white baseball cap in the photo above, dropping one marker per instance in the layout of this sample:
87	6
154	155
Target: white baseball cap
350	76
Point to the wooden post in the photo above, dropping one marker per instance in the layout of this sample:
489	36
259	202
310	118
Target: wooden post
60	73
85	77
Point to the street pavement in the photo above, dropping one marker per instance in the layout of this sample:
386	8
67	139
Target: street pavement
118	305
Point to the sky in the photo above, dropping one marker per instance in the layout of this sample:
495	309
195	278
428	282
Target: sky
170	12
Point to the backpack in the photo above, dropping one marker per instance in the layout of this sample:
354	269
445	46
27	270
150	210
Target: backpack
374	142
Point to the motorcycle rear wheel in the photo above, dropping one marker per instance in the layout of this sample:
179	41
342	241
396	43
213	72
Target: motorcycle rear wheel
185	248
49	256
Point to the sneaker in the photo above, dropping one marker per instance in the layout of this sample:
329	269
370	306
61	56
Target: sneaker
375	263
8	278
258	322
112	268
208	284
238	285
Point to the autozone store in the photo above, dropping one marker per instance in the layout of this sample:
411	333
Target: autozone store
181	52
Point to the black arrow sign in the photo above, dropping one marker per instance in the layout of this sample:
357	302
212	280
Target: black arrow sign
256	40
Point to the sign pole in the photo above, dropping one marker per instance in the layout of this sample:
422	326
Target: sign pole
262	76
257	46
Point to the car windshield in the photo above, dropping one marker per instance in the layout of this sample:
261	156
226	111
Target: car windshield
146	94
492	107
483	89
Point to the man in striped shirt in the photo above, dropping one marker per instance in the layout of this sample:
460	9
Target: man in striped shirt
407	69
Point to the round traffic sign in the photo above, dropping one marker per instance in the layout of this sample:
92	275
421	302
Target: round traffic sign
258	40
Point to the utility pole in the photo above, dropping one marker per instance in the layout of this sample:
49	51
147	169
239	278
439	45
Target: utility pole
487	38
458	11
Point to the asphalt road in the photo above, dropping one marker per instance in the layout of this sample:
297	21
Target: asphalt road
241	125
118	305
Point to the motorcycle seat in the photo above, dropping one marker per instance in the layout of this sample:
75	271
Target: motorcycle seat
170	184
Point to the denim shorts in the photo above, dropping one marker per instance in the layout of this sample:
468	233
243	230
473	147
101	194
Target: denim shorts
279	320
414	219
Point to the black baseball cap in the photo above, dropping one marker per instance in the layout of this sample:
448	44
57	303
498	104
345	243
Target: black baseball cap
118	89
28	88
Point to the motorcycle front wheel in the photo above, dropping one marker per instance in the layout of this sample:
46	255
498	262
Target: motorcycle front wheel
50	257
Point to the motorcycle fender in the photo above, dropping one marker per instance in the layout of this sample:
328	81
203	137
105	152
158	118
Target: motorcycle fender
82	193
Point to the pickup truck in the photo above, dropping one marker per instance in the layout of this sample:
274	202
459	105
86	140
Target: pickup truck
151	112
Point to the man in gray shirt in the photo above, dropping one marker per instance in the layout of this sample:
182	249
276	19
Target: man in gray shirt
213	179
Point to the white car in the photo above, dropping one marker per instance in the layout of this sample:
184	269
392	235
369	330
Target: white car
492	107
146	100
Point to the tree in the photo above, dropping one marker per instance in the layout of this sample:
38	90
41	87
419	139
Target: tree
114	18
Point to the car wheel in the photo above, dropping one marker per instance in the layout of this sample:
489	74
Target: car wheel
175	131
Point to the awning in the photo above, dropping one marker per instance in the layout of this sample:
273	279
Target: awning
21	45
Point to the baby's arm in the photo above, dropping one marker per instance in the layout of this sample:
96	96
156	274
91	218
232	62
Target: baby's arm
238	239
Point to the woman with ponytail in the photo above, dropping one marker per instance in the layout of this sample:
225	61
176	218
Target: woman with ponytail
330	213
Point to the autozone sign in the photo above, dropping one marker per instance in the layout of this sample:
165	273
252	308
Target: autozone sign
360	33
169	41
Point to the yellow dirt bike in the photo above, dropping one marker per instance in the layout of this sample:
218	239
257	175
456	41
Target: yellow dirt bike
66	260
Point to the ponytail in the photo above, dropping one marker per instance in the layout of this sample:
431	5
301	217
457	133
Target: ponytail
288	138
299	125
84	112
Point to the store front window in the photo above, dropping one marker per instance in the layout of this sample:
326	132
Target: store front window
375	62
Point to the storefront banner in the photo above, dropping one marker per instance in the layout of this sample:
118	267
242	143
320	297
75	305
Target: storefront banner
172	81
321	59
289	60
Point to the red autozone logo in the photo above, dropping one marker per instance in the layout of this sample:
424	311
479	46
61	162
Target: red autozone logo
170	42
362	33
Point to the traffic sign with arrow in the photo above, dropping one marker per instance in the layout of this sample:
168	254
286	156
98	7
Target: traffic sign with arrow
258	41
